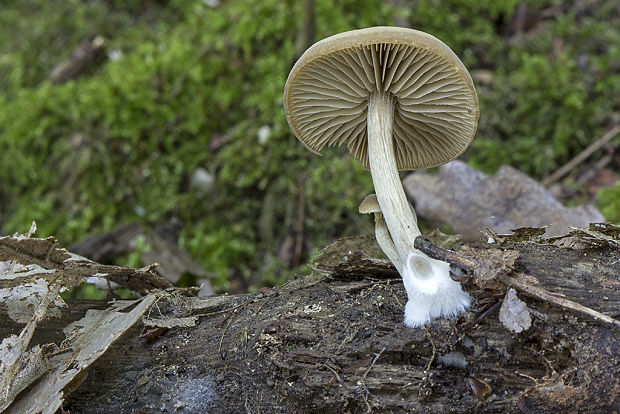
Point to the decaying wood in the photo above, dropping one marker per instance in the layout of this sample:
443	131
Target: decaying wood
499	272
35	379
46	254
334	342
173	262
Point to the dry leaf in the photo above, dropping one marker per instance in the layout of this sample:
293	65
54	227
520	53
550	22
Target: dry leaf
514	314
479	387
490	265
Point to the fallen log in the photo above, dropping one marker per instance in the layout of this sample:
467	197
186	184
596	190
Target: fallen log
334	342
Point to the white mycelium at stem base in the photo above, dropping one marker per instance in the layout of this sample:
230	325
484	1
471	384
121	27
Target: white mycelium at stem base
431	293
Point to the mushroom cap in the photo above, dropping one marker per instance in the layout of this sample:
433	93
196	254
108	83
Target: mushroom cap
369	204
435	102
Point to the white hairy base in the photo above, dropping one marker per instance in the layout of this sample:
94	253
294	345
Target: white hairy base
431	293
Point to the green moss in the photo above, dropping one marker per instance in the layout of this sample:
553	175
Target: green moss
609	203
194	85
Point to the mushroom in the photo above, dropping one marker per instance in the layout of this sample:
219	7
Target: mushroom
401	100
423	301
384	240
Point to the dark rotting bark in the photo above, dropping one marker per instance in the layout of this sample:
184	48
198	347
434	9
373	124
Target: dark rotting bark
334	342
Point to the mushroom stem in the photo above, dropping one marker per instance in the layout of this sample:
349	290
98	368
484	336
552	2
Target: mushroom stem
431	292
384	240
398	214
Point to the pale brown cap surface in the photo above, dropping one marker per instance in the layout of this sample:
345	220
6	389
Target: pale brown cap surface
369	204
435	103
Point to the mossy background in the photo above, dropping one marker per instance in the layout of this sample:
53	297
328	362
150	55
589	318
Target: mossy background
188	86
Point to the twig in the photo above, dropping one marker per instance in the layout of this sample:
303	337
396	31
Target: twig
426	246
600	164
368	407
527	376
335	373
231	318
89	54
541	293
329	384
582	156
550	365
396	298
430	361
245	338
219	349
234	308
373	363
428	375
487	312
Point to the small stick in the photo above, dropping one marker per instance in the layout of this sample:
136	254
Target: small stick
223	354
527	376
487	312
373	363
582	156
234	308
599	165
335	373
432	359
230	319
543	294
426	246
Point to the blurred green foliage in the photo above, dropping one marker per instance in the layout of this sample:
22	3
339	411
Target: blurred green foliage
609	202
191	85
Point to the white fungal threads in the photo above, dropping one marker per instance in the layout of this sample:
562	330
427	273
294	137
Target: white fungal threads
419	274
431	292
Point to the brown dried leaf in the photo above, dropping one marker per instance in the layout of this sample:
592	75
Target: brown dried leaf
514	314
490	265
479	387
